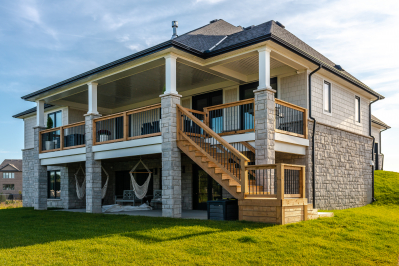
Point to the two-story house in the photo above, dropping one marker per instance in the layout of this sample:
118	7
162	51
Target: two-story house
11	178
222	111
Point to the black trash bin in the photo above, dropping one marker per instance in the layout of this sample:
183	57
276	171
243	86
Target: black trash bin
221	210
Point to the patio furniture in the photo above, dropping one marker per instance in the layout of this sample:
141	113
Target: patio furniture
157	199
128	196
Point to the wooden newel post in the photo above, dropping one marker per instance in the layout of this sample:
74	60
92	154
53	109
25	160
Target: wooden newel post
244	178
125	126
302	182
280	180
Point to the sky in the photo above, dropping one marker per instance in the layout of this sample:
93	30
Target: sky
44	42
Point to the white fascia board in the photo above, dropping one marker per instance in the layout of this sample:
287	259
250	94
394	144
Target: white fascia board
291	139
63	153
63	159
239	137
128	144
132	151
289	148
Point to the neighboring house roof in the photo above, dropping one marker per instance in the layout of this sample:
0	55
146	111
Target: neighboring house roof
379	122
220	37
31	110
11	166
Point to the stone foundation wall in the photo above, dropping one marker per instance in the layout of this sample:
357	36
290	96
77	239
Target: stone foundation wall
343	171
27	177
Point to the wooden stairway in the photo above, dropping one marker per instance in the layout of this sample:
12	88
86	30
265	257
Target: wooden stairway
212	167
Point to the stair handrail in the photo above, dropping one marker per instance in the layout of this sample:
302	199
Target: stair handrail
212	133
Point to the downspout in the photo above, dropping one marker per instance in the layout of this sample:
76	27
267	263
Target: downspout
313	133
372	152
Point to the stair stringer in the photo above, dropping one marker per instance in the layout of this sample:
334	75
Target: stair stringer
209	170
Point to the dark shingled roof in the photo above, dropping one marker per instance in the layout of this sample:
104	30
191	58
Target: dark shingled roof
16	164
31	110
221	37
379	122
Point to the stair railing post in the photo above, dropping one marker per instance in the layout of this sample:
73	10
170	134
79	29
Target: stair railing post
244	178
302	180
280	181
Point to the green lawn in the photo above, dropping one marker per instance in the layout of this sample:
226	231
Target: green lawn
361	236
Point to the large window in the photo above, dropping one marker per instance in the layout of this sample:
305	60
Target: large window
54	184
54	119
8	187
327	97
8	175
357	109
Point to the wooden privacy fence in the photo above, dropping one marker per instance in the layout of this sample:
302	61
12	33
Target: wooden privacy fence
133	124
62	138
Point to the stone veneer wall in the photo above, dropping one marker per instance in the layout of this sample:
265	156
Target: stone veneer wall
27	177
343	171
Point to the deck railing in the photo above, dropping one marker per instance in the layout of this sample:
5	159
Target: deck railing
276	181
220	152
62	138
231	118
291	119
133	124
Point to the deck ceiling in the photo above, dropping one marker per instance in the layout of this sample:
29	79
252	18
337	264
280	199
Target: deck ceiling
146	82
144	86
250	65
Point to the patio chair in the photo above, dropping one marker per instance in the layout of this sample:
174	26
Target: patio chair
128	196
157	199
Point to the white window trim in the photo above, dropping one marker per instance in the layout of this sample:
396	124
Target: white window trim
360	111
331	100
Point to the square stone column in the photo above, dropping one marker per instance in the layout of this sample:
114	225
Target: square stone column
93	170
171	158
264	126
39	175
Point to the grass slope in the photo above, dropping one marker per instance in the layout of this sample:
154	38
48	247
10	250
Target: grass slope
361	236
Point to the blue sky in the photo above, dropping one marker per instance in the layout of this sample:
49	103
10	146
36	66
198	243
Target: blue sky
44	42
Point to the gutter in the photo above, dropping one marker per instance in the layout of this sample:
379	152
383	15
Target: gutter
372	152
313	133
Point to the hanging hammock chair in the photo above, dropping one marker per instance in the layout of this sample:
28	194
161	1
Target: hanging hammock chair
80	190
140	191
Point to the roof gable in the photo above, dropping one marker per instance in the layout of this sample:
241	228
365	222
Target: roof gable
11	166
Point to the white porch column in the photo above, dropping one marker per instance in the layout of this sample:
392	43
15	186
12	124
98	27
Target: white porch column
92	98
40	114
170	74
171	155
264	112
264	68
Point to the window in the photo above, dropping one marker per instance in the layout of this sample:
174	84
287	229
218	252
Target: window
8	175
357	109
8	187
54	184
327	97
54	119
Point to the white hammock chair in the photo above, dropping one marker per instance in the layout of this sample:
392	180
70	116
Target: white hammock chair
140	191
80	190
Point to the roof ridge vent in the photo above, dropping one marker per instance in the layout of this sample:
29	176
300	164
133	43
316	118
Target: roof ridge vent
339	67
249	28
279	24
213	21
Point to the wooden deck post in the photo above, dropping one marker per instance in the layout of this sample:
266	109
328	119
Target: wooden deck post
280	181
